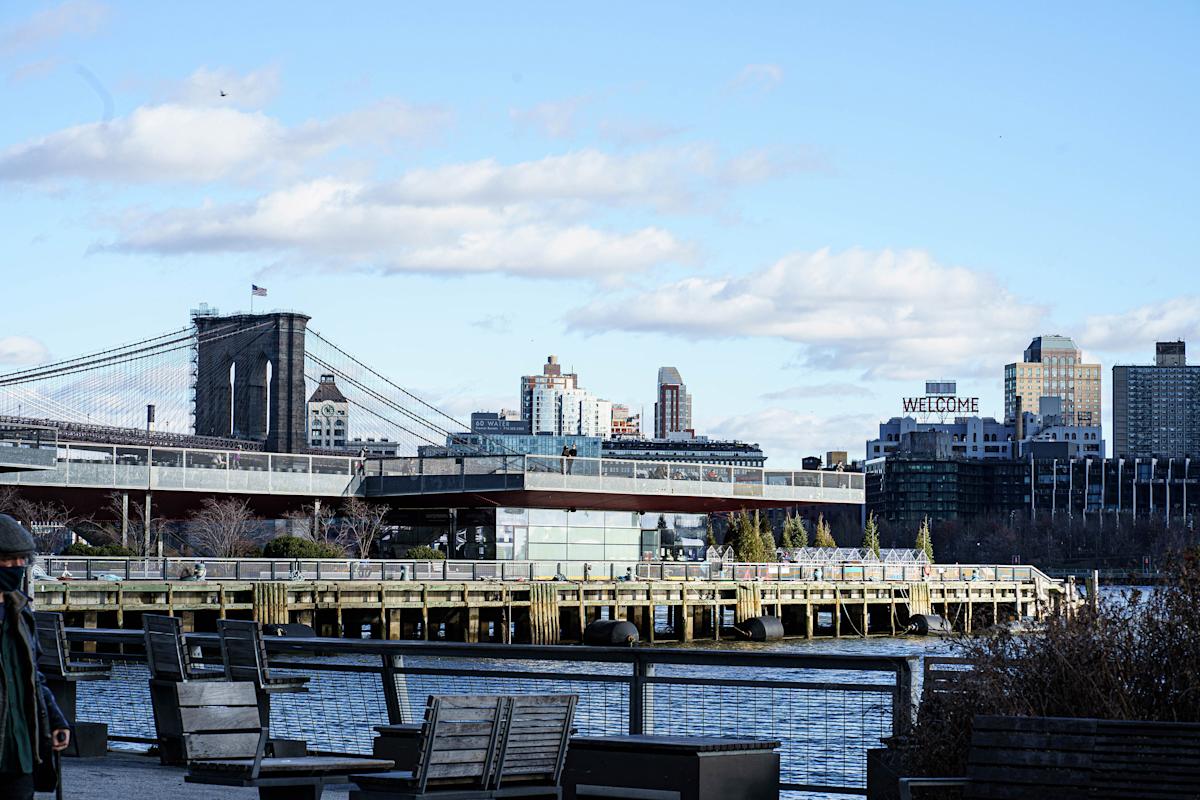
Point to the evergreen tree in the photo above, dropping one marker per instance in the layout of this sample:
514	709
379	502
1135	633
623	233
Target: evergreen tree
744	538
871	535
800	532
786	540
767	535
824	536
710	540
925	539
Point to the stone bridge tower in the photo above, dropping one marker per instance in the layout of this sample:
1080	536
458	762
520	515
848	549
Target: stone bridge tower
250	378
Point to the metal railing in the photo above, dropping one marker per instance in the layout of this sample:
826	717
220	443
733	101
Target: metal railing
826	710
27	447
190	469
419	475
258	569
148	468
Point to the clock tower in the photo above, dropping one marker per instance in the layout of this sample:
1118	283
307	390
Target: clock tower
328	415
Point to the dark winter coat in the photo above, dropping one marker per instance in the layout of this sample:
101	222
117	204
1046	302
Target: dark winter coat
47	714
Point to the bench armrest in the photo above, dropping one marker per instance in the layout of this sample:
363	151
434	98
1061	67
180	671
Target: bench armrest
259	753
907	783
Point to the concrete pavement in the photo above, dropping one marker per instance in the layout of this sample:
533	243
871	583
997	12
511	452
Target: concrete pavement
129	776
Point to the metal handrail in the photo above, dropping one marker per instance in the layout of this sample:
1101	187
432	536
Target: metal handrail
648	677
852	570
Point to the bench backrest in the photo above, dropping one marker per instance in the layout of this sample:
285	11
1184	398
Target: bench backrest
164	647
536	732
1146	759
52	639
1067	758
242	651
219	720
1039	756
459	740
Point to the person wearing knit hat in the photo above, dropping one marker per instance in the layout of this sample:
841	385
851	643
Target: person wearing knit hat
31	725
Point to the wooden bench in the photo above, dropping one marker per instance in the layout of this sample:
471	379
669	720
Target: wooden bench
170	663
482	747
224	744
166	654
62	674
1068	758
245	658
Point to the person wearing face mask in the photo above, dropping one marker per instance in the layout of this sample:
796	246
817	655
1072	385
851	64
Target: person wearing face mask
32	727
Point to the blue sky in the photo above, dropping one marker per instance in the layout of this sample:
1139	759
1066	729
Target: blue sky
806	209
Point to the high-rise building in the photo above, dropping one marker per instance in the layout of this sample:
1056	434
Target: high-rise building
625	425
328	415
1156	409
1053	367
672	405
552	377
570	412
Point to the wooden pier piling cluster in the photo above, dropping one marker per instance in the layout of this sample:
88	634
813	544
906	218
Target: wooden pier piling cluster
551	612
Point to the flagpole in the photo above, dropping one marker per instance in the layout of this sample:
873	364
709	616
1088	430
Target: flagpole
251	299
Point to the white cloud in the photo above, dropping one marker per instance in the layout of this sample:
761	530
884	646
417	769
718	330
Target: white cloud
522	219
663	178
815	390
1135	331
759	77
343	223
204	87
74	17
555	119
890	314
787	436
173	142
22	351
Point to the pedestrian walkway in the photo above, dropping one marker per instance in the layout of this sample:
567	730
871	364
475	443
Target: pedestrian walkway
129	776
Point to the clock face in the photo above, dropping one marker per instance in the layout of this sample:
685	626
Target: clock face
327	409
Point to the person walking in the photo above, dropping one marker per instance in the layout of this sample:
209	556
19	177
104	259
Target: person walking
32	728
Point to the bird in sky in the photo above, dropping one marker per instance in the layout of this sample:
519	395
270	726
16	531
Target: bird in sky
222	93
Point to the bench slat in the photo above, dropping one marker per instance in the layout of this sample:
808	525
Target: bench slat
196	719
200	746
228	693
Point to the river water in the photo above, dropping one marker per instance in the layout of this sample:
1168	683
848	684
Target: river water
823	731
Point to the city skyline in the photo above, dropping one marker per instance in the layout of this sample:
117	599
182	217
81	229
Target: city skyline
758	200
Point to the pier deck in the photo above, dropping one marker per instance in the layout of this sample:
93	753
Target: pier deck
133	776
550	612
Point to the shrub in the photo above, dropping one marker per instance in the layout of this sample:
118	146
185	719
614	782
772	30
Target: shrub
424	553
295	547
1136	658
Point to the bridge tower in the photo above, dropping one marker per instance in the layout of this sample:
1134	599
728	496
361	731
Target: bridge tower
250	378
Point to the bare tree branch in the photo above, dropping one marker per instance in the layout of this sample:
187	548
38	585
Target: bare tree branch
222	528
361	523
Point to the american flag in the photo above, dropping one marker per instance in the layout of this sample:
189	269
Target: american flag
258	291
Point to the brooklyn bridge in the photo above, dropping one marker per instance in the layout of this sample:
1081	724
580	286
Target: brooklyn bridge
221	407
